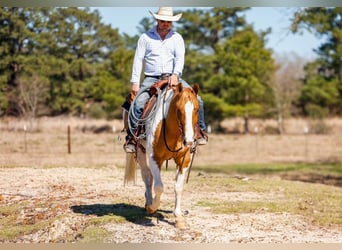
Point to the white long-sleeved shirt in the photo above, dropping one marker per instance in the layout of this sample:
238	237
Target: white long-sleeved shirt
159	56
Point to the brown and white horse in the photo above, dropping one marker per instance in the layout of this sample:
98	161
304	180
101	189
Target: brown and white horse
170	135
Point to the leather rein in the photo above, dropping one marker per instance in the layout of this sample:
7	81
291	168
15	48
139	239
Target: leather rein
192	149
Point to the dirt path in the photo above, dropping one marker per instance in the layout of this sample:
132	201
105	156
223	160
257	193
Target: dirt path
67	199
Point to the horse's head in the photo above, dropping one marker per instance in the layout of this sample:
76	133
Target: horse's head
187	112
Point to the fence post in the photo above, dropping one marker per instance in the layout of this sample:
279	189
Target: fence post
69	140
306	132
256	130
25	138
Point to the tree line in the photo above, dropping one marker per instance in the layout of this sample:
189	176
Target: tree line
58	61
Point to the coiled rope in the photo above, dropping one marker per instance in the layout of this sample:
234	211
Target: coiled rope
134	122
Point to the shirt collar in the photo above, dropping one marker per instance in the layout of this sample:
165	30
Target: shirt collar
155	32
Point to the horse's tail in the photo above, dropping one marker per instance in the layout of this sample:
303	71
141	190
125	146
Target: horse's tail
130	170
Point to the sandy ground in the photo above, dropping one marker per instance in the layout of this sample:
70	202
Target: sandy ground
67	191
69	197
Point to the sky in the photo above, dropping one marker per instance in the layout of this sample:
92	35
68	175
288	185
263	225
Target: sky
281	40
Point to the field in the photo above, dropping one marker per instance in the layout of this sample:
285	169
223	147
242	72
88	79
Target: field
242	188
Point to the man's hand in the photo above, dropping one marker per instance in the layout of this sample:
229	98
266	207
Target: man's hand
173	80
135	88
134	91
130	97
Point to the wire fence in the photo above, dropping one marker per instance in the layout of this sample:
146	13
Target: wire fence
76	143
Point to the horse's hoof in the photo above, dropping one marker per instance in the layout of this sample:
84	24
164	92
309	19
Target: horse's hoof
181	224
149	210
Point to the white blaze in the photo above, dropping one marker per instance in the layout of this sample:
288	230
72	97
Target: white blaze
189	131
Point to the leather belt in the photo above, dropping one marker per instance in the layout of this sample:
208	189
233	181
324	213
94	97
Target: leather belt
160	77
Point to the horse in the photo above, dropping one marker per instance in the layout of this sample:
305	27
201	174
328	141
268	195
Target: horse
171	134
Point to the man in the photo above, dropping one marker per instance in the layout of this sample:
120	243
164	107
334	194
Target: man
162	51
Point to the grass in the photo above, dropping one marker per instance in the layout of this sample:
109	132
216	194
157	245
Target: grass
110	214
319	204
12	228
11	231
242	207
120	211
51	166
9	225
94	234
269	169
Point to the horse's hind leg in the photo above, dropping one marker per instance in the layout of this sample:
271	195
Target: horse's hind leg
146	176
158	186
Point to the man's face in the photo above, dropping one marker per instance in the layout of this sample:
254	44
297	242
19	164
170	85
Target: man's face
164	26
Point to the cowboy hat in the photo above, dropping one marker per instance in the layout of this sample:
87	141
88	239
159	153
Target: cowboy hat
166	14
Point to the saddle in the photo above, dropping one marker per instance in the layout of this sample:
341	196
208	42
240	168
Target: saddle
161	84
150	104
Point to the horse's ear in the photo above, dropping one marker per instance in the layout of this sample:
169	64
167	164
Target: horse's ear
196	88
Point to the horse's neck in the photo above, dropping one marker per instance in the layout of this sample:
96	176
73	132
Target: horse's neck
162	110
171	120
167	97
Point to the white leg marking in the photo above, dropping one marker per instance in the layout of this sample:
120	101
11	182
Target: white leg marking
158	184
178	192
146	176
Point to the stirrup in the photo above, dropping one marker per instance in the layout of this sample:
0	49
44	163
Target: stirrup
130	145
204	134
202	137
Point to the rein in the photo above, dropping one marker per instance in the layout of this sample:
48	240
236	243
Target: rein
164	131
192	160
192	150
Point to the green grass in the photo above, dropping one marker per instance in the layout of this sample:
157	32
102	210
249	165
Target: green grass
111	214
269	169
10	228
319	204
94	234
242	207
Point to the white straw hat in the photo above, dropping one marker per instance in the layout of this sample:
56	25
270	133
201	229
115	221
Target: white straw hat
166	14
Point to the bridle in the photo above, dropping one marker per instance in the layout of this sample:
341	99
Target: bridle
164	129
180	127
192	149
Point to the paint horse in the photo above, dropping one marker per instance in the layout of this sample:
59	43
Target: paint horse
170	135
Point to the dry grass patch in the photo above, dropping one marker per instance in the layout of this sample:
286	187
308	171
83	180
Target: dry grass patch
94	234
13	224
319	204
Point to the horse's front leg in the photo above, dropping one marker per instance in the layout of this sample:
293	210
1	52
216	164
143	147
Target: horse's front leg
146	176
178	191
180	176
158	186
182	171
